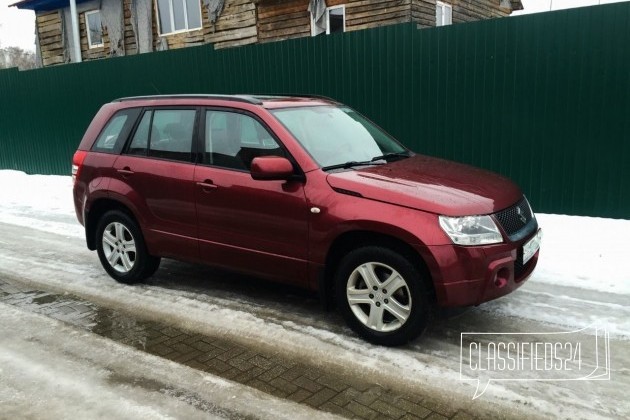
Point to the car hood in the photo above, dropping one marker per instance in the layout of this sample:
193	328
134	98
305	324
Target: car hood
430	184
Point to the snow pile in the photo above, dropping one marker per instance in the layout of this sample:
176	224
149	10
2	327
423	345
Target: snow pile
42	202
584	252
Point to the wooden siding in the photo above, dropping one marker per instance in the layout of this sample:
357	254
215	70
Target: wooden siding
364	14
468	11
283	19
50	35
423	11
251	21
88	53
235	26
129	39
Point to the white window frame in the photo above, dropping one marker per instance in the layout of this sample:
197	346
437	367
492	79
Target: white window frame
343	13
172	16
87	29
443	6
327	15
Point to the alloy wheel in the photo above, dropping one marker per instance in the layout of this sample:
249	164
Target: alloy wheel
379	296
119	247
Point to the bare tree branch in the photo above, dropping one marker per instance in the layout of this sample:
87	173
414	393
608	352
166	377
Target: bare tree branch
17	57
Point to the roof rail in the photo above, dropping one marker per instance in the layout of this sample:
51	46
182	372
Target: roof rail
294	95
238	98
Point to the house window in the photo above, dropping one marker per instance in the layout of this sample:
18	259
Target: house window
336	17
94	28
333	20
178	15
443	14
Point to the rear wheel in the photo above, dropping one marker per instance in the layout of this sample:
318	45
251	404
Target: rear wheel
381	296
121	248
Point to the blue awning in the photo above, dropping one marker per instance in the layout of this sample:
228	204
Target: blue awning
43	5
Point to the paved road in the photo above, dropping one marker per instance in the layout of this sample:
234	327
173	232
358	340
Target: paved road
288	323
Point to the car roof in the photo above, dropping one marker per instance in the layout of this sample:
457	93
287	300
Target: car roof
267	101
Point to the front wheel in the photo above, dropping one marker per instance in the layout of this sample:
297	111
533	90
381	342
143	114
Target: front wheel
121	248
381	296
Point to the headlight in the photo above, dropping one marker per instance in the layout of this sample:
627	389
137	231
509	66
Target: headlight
471	230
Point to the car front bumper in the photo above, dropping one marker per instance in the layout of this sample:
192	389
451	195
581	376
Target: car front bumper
466	276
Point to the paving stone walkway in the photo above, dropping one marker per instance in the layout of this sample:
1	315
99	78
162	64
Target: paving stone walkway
271	373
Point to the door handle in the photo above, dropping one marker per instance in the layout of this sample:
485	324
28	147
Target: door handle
207	185
125	171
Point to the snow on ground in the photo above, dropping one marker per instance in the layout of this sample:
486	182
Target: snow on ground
41	202
580	280
584	252
51	370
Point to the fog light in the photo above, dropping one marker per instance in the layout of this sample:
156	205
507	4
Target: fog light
502	277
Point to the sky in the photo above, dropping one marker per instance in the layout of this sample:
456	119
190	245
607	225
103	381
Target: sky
17	27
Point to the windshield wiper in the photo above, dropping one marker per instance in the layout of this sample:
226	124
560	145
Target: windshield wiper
388	156
350	164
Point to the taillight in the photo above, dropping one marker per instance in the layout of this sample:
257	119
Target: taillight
77	161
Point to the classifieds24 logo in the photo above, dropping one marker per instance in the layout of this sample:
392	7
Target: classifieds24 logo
582	355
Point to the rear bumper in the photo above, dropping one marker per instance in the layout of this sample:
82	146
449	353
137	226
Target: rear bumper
466	276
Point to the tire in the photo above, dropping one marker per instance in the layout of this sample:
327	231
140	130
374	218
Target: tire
386	317
122	250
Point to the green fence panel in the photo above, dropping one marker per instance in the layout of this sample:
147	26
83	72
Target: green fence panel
543	99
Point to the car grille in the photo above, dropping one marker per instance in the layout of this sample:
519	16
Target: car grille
517	221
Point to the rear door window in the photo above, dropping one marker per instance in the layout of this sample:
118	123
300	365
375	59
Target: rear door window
165	134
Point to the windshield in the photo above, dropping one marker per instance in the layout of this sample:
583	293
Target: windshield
337	135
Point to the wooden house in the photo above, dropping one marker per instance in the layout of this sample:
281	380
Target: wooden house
79	30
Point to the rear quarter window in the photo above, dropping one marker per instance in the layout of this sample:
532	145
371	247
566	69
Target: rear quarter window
113	137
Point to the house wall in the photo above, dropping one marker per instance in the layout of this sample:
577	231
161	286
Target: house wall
111	15
282	19
371	14
279	20
423	11
241	22
88	53
69	39
235	26
130	41
50	35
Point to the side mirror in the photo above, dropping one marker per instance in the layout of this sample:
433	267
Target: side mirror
271	168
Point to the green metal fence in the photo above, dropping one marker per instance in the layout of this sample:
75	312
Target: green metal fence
543	99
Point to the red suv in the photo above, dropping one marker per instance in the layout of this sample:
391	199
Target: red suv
301	190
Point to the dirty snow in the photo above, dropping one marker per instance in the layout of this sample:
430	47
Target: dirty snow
580	281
